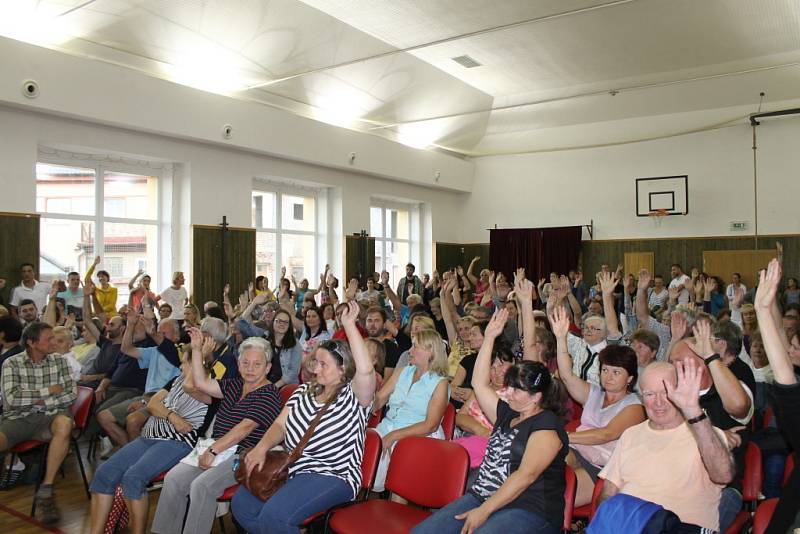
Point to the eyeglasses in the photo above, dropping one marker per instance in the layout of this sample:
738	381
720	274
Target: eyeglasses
283	322
591	329
652	395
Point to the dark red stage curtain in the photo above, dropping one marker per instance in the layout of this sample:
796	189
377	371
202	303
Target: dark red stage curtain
540	250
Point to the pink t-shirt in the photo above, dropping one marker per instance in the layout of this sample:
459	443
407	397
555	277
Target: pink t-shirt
595	416
665	467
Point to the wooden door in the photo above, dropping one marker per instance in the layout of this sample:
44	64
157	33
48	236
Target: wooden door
636	261
723	263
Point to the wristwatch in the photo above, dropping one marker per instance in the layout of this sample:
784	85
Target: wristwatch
212	451
699	418
711	358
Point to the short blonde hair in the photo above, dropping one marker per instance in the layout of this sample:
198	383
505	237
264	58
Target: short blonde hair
432	341
3	311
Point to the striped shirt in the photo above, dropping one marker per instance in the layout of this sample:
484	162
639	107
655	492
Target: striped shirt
261	405
26	386
187	407
337	445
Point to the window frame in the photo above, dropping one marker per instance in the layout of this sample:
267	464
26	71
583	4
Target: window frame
382	241
280	190
98	219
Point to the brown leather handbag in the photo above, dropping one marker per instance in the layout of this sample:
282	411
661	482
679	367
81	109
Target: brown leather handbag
264	482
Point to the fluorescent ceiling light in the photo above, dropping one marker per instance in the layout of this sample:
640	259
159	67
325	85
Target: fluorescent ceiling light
25	20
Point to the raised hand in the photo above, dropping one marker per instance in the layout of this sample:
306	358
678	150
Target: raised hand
578	278
260	299
768	283
523	288
54	288
492	277
496	324
384	277
226	290
350	314
644	280
708	287
88	288
96	261
678	325
608	282
674	292
695	272
686	394
132	318
70	322
559	322
702	339
779	249
196	338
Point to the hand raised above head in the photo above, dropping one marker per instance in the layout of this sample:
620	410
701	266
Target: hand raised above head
769	281
686	394
496	324
559	321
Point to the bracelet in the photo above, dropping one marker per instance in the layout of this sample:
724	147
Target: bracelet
212	451
711	358
169	413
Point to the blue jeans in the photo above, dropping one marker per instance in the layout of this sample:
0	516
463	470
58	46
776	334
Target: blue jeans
730	503
503	521
302	496
136	464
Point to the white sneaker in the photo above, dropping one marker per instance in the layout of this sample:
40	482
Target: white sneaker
105	446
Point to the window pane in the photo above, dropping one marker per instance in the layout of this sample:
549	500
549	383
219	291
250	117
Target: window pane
263	210
291	207
376	222
68	190
64	246
298	256
125	248
378	256
397	223
266	256
130	195
396	259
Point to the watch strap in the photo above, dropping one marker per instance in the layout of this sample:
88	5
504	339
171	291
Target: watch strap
712	358
697	419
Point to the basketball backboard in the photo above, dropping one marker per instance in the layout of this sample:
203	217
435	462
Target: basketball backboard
667	193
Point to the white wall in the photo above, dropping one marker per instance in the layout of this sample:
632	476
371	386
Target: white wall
209	181
574	187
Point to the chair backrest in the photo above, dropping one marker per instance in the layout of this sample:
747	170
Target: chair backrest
374	419
598	490
429	472
572	426
753	479
82	407
449	421
286	392
787	470
763	515
569	497
373	446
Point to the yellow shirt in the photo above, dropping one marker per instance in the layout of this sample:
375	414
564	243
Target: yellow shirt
107	299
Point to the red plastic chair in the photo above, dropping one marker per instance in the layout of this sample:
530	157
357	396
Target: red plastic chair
449	421
375	419
769	413
572	426
24	447
752	483
763	515
81	410
428	472
570	488
787	470
587	511
286	392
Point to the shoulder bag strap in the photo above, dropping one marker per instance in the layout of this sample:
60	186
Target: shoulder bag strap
309	432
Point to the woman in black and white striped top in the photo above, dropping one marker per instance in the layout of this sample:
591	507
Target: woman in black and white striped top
177	418
329	470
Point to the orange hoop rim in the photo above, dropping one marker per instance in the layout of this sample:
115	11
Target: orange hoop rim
658	213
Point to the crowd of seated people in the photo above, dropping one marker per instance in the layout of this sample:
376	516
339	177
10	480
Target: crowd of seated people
653	387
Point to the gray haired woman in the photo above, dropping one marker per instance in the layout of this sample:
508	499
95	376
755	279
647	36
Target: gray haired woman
248	404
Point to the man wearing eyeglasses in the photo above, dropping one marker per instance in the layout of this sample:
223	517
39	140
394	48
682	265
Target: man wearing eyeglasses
676	458
597	332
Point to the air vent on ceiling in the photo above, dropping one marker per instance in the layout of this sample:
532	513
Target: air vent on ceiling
467	62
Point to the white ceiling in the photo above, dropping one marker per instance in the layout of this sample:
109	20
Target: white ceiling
555	74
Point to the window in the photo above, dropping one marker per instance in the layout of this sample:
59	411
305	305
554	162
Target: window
286	234
82	206
391	228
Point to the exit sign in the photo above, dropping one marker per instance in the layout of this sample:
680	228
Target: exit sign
738	226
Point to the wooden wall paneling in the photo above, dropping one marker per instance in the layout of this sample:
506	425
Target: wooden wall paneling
686	251
353	258
450	255
240	261
19	243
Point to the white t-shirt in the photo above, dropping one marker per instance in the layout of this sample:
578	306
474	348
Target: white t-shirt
683	297
736	315
177	299
38	294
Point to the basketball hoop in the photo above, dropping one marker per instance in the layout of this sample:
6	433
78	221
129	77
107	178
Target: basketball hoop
658	216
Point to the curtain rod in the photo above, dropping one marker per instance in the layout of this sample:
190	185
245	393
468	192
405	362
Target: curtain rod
589	228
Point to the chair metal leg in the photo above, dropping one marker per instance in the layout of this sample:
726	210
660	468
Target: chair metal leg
80	465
